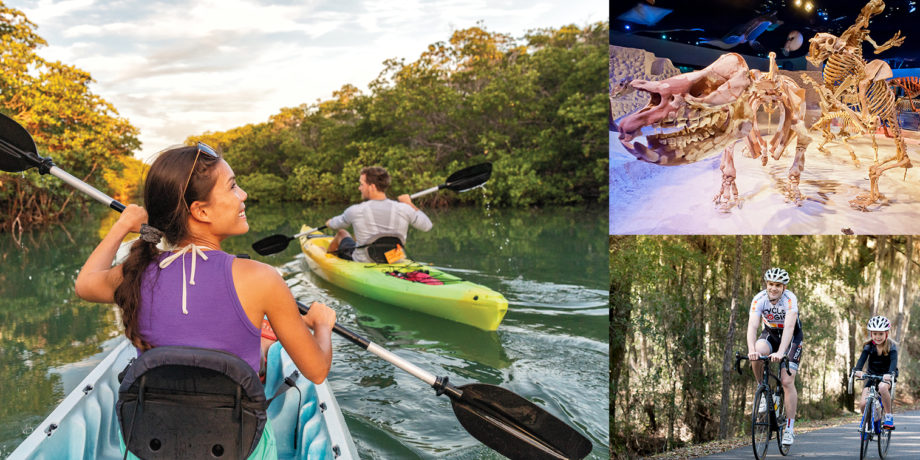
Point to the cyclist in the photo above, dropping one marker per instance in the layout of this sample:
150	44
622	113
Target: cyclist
778	309
882	354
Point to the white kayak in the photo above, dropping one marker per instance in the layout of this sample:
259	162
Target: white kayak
84	425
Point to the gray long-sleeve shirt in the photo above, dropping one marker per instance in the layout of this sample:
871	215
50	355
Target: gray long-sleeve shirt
374	218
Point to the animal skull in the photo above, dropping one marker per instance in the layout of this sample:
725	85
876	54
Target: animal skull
694	108
821	46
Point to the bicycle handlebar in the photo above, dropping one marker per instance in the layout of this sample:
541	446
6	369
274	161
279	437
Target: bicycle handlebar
869	377
880	378
782	362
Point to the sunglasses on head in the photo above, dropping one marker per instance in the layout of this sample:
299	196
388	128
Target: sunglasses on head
205	148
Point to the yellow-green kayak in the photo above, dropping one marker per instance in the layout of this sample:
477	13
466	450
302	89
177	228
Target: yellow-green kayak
455	299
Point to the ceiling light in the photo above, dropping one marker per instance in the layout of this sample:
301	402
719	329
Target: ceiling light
809	6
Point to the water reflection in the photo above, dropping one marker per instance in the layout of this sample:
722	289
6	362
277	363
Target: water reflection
43	326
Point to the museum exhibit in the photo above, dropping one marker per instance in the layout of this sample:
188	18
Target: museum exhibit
746	116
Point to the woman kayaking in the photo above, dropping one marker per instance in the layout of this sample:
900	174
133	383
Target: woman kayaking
196	295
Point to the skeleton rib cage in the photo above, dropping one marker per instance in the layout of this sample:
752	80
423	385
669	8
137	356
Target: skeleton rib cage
911	87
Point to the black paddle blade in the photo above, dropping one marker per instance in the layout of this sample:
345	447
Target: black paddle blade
514	426
468	178
271	245
17	149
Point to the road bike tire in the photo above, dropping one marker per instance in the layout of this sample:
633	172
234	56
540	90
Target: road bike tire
760	424
865	429
781	423
884	439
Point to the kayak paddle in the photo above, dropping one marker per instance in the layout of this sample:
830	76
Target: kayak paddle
277	243
465	179
499	418
18	153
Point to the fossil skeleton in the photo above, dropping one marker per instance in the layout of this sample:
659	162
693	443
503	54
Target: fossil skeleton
696	112
859	90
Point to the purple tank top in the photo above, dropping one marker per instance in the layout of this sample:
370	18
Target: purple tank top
215	318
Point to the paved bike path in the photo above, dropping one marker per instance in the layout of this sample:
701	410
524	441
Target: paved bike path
843	442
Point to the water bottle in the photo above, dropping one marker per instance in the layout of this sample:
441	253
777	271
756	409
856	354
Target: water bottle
776	403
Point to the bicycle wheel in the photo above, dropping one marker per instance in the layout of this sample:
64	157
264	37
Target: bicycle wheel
865	429
884	438
781	422
760	424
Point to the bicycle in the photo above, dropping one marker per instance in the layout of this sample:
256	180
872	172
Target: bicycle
763	424
870	426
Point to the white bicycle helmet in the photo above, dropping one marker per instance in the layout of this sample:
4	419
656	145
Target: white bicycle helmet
879	324
776	275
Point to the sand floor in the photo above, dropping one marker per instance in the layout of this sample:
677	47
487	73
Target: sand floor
651	199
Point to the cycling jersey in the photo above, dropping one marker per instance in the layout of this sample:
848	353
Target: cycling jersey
879	364
774	316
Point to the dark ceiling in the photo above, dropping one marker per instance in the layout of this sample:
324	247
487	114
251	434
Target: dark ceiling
719	17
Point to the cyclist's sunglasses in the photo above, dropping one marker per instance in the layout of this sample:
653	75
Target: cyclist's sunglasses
202	148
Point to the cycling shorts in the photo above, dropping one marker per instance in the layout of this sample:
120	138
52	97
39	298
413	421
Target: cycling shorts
795	347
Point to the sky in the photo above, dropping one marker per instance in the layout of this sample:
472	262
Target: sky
180	68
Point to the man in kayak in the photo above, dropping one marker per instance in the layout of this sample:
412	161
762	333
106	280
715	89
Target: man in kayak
377	216
195	294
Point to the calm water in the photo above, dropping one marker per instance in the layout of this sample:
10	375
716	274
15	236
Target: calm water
551	348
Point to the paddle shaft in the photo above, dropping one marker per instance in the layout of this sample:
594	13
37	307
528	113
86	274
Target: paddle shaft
317	229
385	354
86	188
425	192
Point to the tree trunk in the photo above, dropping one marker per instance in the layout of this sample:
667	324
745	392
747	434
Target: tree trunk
902	297
765	255
620	309
851	350
879	256
729	344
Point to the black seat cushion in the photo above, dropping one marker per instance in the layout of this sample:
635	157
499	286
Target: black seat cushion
184	402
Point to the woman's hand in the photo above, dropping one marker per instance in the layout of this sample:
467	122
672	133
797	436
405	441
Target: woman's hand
753	355
320	316
858	374
887	378
132	218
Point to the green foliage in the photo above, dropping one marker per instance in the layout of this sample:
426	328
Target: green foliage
79	129
268	187
534	107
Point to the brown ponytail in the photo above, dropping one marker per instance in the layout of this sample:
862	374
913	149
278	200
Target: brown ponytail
168	212
127	295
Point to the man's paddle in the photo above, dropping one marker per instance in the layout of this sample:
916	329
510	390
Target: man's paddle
465	179
499	418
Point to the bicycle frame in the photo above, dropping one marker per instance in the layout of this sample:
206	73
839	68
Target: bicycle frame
873	397
764	382
874	409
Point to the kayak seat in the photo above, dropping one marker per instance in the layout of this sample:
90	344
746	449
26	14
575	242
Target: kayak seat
378	248
184	402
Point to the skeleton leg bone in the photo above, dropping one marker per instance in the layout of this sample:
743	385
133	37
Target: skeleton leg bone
728	193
